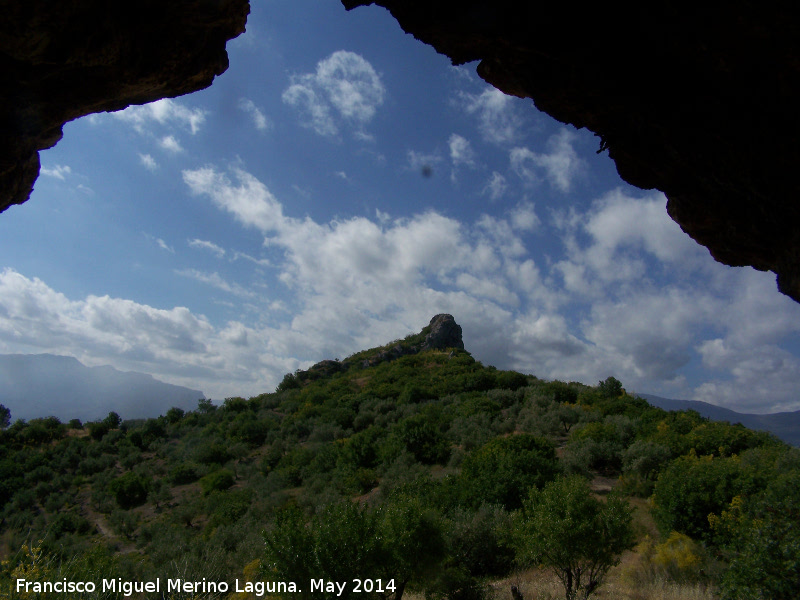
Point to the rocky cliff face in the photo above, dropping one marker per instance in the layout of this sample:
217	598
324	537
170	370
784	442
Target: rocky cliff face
65	59
699	100
444	333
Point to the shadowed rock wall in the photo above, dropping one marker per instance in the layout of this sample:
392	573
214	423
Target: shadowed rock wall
699	100
62	59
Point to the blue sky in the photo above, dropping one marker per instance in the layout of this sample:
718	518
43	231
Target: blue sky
339	185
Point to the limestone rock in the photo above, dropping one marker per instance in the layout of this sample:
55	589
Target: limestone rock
699	100
60	60
444	333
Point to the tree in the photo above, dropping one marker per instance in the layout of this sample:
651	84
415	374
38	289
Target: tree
690	488
565	528
130	490
5	417
205	406
340	544
113	420
504	469
174	414
414	543
760	538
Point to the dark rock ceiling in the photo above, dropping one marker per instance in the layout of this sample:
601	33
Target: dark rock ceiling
700	100
62	59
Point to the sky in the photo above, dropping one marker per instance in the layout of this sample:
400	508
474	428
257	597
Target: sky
337	187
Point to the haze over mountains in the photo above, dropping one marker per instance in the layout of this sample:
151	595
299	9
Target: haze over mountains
785	425
41	385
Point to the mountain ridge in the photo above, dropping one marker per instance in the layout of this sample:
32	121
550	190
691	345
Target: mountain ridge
41	385
785	425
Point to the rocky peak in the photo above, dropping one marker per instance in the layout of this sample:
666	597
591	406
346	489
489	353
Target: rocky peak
441	333
444	333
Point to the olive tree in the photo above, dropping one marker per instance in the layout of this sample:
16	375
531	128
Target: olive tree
566	529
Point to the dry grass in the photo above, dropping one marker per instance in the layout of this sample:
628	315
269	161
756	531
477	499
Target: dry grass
541	585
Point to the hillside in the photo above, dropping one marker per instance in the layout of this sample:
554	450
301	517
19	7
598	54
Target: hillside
39	385
412	463
785	425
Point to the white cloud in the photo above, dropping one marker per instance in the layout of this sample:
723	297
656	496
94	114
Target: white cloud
164	112
345	89
148	162
561	166
250	202
259	120
206	245
498	120
524	217
170	144
422	162
631	297
623	232
174	345
57	171
261	262
164	246
215	280
496	186
461	152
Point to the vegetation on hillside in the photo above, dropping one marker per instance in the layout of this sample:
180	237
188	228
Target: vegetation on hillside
430	471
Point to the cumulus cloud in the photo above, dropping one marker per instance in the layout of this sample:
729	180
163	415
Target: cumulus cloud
560	166
344	90
174	345
170	144
498	119
148	162
631	296
250	201
461	152
259	119
164	112
357	278
56	171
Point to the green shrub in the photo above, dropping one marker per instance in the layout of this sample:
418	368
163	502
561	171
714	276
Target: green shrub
218	481
129	490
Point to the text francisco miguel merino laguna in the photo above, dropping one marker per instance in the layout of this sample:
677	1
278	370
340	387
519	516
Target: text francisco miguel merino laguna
259	588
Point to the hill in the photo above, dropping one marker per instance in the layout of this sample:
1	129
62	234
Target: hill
415	466
785	425
39	385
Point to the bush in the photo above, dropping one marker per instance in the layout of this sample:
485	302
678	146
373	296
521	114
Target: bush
129	490
505	469
183	473
218	481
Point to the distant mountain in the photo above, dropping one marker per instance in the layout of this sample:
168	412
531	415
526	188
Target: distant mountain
41	385
785	425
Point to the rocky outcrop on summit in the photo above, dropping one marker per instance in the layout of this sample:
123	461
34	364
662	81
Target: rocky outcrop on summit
62	60
441	333
698	100
444	333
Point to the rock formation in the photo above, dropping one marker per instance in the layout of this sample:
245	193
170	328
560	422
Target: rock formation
444	333
65	59
699	100
441	333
